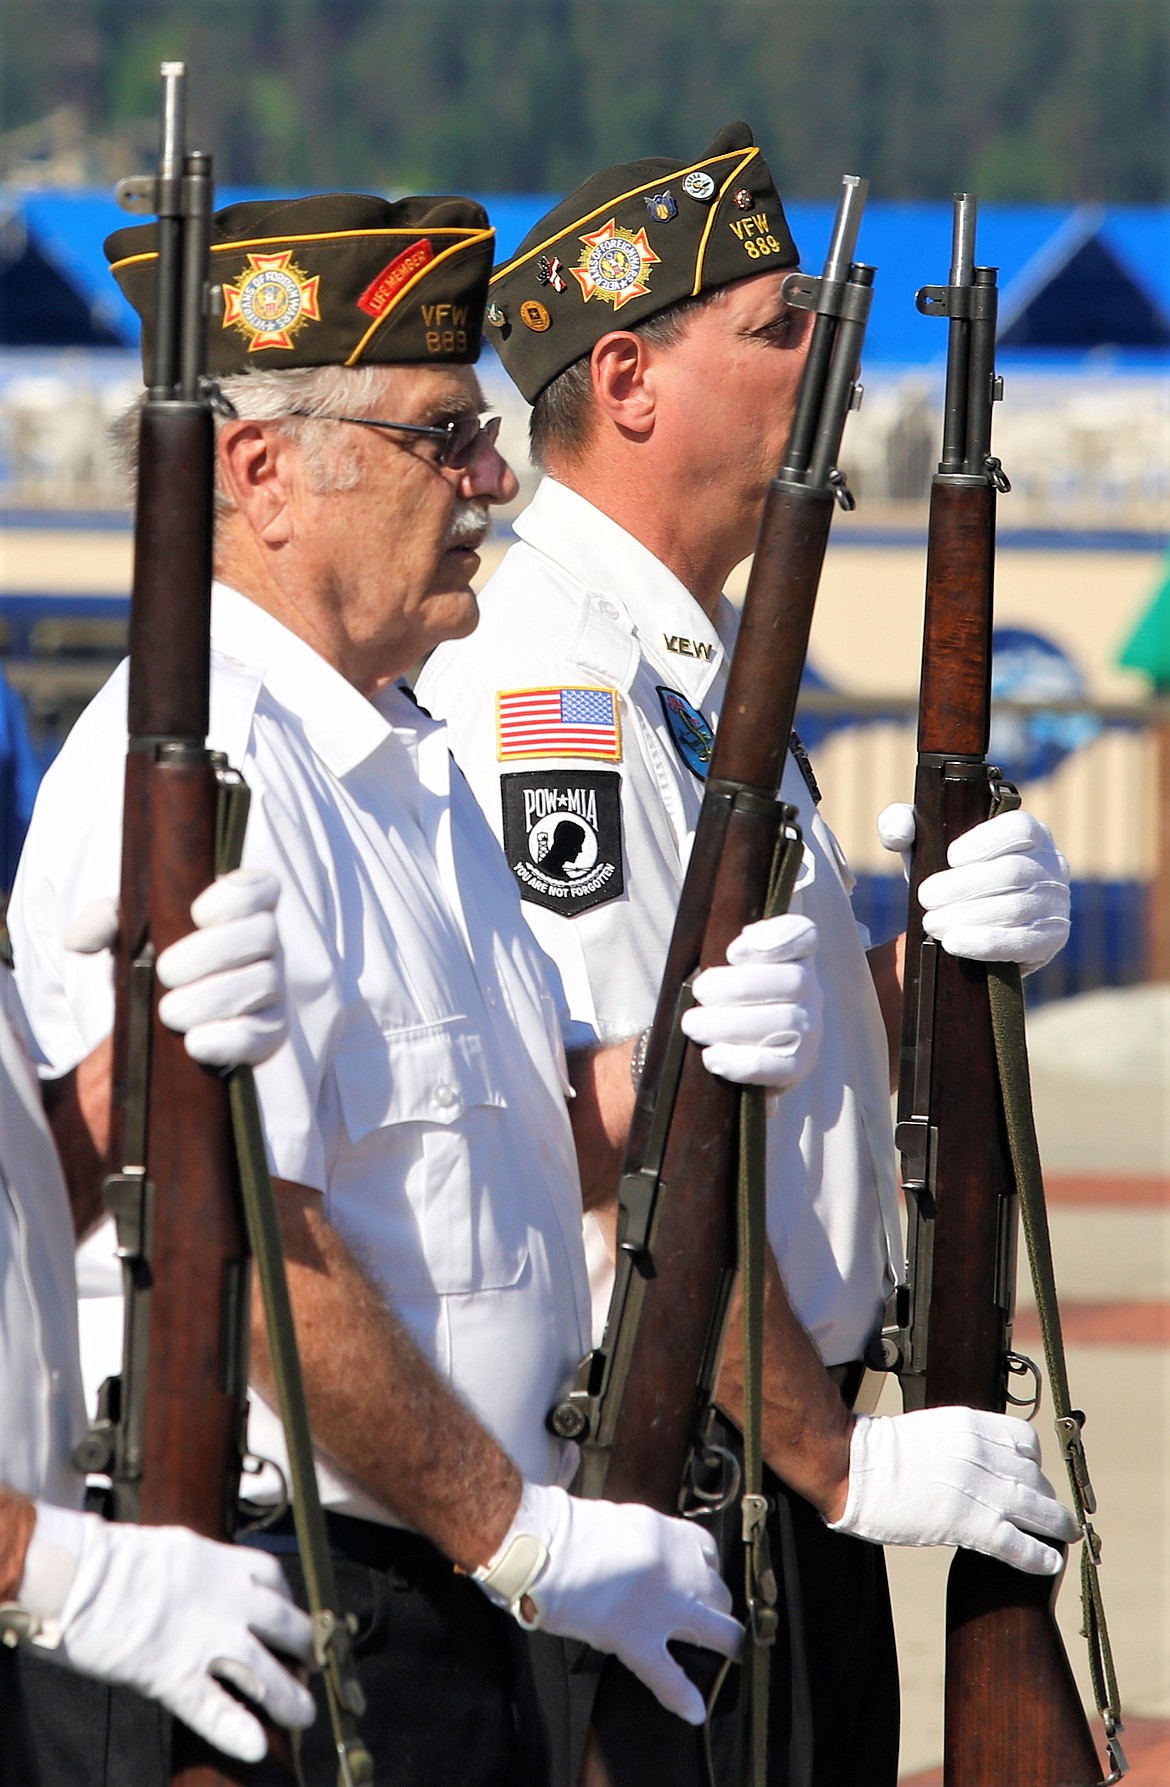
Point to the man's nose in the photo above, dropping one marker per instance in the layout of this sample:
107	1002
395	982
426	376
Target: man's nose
488	476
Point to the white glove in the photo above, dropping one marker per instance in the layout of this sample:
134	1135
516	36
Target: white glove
896	829
226	976
1005	896
166	1612
621	1578
760	1019
954	1476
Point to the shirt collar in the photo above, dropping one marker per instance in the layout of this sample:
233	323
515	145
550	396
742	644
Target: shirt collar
341	725
618	570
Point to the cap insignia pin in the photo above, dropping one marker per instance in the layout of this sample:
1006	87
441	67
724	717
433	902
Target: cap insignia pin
495	316
272	299
534	316
615	265
744	199
699	185
551	272
662	205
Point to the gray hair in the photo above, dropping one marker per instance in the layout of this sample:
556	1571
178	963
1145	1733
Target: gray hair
559	425
291	398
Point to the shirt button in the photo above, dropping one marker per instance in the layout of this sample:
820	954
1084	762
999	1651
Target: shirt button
445	1096
609	609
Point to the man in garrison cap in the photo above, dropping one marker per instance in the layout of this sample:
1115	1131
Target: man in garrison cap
417	1118
644	319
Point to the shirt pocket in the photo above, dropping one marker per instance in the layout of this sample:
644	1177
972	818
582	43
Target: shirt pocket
423	1189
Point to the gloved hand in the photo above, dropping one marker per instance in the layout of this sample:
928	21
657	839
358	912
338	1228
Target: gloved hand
1005	896
619	1577
167	1613
954	1476
760	1018
226	977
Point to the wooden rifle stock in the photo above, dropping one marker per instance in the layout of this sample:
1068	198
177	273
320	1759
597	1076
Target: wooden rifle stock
1013	1715
174	1427
683	1277
643	1399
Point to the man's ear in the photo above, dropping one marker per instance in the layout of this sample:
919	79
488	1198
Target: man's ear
621	368
260	469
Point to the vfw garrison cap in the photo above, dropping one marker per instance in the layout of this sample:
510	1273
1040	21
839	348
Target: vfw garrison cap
630	241
339	279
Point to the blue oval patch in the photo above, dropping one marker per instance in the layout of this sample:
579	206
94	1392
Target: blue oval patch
693	738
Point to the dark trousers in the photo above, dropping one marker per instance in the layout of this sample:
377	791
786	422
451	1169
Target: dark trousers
59	1729
446	1675
447	1678
843	1730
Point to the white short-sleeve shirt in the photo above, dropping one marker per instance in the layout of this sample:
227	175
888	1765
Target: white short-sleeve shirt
422	1088
581	607
42	1412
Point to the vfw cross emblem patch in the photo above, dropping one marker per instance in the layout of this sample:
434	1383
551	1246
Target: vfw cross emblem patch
271	301
563	837
615	265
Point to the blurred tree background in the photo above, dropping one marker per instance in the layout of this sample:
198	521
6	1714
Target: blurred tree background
1043	100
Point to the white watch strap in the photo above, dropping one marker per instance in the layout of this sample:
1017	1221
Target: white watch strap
514	1570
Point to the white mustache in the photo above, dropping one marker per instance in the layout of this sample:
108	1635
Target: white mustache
468	524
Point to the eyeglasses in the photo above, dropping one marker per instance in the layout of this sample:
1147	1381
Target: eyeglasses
460	439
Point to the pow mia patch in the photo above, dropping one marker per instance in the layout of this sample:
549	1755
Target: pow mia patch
563	837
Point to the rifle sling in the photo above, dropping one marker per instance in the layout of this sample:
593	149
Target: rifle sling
760	1588
331	1632
1005	992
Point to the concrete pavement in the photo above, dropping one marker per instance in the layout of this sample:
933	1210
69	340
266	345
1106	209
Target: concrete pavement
1101	1066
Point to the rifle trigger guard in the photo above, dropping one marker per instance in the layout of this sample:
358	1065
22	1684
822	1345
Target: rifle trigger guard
713	1501
267	1513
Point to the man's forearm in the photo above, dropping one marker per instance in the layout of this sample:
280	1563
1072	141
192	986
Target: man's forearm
78	1109
886	965
18	1517
600	1115
806	1426
376	1404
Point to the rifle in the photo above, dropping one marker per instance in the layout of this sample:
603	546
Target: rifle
172	1430
1013	1715
642	1401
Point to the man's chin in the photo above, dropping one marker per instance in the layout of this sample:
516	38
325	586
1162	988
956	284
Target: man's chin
453	611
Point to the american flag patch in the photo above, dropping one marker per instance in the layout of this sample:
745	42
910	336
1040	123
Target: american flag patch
558	723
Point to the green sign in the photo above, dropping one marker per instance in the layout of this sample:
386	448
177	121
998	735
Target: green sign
1148	647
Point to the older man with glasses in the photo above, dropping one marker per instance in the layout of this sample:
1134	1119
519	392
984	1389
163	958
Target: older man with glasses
416	1119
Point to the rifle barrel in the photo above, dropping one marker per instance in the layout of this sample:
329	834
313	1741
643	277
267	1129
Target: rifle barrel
1013	1713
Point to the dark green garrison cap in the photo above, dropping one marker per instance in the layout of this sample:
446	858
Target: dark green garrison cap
630	241
339	279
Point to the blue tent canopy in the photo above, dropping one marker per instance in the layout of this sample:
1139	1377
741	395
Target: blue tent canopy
1076	283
